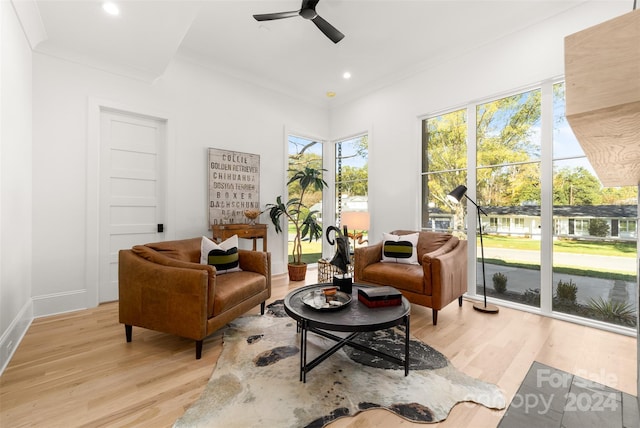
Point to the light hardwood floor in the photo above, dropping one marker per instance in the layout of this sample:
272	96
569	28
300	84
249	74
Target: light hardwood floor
76	370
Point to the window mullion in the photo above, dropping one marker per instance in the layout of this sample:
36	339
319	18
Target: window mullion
472	218
546	198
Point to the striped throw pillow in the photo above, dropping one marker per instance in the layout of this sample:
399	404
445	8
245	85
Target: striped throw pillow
400	248
223	256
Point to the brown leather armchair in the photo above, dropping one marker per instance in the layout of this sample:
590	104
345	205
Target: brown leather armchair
163	287
438	279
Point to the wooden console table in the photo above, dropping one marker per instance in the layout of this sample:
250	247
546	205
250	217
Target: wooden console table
245	231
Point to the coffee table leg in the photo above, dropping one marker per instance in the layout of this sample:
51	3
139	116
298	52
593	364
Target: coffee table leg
406	346
303	351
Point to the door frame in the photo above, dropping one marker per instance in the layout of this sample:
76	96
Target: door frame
93	202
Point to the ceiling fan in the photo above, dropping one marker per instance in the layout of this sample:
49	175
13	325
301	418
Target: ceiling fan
307	11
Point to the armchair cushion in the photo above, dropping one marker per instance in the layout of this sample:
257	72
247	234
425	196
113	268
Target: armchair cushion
407	277
229	294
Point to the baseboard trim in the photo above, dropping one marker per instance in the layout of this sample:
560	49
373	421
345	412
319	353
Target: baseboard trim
13	335
59	303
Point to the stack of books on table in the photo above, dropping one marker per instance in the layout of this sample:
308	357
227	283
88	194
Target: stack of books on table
377	297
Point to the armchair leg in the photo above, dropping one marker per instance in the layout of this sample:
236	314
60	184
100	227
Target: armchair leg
262	305
460	301
435	316
127	331
198	349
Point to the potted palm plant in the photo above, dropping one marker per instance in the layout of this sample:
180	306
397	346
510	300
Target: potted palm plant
303	219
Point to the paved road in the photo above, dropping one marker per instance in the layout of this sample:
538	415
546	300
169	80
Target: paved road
519	280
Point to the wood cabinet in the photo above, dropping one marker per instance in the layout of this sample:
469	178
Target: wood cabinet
602	73
221	232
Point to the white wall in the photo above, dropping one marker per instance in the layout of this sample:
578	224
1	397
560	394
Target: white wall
15	183
394	113
204	110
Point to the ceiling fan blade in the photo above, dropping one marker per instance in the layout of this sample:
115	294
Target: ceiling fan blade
329	30
278	15
309	4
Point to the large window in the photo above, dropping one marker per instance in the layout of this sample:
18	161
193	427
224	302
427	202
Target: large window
305	152
594	241
352	187
591	233
444	160
348	199
508	187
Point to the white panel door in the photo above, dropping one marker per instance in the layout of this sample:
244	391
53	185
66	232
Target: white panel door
131	189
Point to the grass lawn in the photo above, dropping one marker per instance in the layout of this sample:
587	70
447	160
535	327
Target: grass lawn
603	248
311	251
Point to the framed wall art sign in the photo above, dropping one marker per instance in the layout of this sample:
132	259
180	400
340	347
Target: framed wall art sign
234	185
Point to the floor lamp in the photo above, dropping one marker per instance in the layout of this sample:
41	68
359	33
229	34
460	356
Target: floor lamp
456	196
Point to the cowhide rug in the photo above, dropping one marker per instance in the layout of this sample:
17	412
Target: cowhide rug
256	380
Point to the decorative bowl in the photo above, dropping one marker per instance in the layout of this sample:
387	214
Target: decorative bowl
340	300
252	215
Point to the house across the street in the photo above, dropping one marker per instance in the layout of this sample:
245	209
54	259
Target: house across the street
569	221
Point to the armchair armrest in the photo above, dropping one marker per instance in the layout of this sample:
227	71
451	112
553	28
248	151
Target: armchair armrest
365	256
255	261
164	298
446	274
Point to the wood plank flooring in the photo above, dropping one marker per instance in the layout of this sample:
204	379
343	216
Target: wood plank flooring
76	370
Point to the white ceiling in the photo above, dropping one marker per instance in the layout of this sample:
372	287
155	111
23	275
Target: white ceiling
384	40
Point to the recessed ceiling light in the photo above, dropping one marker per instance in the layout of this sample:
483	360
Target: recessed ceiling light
346	75
111	8
331	94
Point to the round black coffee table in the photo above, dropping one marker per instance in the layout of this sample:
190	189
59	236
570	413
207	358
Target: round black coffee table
355	319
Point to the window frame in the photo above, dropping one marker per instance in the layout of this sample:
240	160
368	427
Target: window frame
549	226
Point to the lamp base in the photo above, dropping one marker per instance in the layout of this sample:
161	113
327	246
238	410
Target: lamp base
491	309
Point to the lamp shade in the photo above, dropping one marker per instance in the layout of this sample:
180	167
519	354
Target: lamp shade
355	220
457	194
